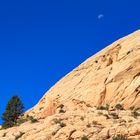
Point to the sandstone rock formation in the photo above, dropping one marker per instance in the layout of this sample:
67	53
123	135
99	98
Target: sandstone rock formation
68	110
110	76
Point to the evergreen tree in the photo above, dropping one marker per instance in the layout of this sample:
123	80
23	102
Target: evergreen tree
14	109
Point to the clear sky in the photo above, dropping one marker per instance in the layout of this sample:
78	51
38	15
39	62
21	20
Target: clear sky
41	41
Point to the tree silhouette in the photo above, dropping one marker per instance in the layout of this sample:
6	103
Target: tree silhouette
14	109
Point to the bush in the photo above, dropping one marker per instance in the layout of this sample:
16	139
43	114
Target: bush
62	111
59	121
32	119
107	117
21	121
114	115
120	137
106	107
56	121
137	109
14	109
132	108
62	124
130	121
100	113
119	107
19	136
84	138
94	122
88	125
82	118
8	124
135	114
61	106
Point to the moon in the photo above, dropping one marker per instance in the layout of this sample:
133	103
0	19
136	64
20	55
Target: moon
100	16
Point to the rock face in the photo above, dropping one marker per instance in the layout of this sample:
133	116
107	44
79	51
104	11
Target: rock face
111	76
68	111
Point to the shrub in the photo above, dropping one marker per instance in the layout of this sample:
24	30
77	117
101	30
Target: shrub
101	108
120	137
130	121
32	119
62	124
137	109
96	61
41	108
56	121
59	121
106	107
84	138
135	114
94	122
21	121
82	118
119	107
61	106
88	125
14	109
132	108
128	52
100	113
114	115
62	111
19	136
107	117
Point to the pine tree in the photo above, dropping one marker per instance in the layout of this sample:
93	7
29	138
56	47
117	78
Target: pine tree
14	109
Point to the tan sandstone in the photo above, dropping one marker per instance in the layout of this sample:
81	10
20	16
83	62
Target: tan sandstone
68	110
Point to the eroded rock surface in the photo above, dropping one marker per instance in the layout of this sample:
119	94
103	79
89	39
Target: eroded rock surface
110	76
68	110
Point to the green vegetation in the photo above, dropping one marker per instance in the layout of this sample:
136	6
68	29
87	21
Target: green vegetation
32	119
100	113
61	109
59	121
114	115
62	124
84	138
135	113
137	109
19	136
94	122
21	121
119	137
119	107
88	125
14	109
130	121
132	108
106	107
56	121
107	116
82	118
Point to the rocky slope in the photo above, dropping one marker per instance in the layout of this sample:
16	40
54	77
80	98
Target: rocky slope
110	76
68	111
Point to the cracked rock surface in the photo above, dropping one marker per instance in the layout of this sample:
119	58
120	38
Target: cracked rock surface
108	77
111	76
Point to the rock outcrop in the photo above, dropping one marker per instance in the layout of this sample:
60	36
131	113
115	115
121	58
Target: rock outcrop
68	111
109	77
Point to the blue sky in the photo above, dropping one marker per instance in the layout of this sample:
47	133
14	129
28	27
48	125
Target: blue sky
41	41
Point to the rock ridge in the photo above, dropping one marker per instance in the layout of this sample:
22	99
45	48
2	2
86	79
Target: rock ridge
82	104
